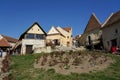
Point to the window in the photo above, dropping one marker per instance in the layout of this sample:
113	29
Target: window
67	36
35	36
30	36
39	36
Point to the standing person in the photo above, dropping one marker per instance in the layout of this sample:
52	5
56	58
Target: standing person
118	50
1	52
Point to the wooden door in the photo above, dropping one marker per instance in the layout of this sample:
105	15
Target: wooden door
29	49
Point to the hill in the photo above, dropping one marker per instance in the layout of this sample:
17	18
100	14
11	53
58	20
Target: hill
23	68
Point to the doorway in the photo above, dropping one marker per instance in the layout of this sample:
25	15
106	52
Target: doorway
89	40
68	44
114	42
29	49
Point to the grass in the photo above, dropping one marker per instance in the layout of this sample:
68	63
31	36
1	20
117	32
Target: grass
22	69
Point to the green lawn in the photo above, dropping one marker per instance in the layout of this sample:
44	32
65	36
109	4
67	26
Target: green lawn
22	69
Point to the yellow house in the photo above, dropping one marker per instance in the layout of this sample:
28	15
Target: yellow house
60	36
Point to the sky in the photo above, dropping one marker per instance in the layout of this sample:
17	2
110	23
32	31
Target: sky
16	16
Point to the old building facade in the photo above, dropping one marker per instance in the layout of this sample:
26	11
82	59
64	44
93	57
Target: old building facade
111	31
60	36
34	37
92	33
7	43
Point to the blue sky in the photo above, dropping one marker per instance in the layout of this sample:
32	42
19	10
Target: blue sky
18	15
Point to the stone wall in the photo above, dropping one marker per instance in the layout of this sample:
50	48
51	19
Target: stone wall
35	43
4	67
44	50
109	33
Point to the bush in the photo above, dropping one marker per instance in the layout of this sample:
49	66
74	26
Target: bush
51	70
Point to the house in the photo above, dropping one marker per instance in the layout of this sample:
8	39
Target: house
91	37
111	31
34	37
7	43
60	36
76	42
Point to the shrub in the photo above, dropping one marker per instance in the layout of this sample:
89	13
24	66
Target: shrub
44	60
66	60
51	70
77	61
53	62
67	67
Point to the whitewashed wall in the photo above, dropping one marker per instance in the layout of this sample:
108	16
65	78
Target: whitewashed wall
35	43
108	34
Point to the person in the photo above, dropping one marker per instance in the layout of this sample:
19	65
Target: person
114	49
0	52
118	50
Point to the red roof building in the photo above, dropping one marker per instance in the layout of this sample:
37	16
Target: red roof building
4	43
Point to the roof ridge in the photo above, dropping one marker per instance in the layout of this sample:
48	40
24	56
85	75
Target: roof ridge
107	19
31	27
93	23
96	17
8	37
53	28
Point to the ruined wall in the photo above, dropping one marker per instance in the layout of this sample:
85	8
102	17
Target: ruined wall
4	67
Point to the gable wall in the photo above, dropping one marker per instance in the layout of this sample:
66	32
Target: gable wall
67	38
53	31
36	30
95	35
109	34
52	37
1	36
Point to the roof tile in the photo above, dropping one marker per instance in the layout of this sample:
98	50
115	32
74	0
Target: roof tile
93	23
4	43
67	29
10	39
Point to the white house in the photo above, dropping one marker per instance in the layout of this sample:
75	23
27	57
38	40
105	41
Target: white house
92	33
34	37
111	31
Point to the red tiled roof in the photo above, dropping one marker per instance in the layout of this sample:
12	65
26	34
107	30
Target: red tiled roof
93	23
4	43
10	39
67	29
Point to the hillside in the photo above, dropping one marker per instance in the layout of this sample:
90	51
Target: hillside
23	68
